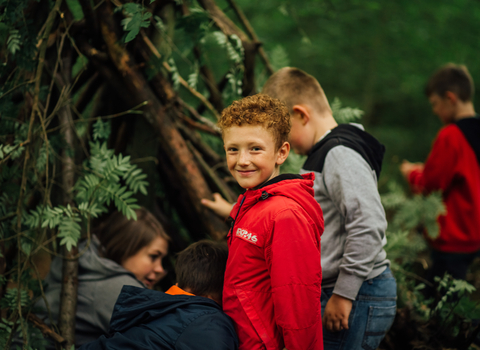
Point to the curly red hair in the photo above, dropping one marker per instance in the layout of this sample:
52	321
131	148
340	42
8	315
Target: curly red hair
259	109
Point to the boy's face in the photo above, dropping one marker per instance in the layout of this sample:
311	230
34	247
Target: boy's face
298	137
443	107
252	157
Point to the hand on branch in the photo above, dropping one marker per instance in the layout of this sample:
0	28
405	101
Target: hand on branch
219	205
337	310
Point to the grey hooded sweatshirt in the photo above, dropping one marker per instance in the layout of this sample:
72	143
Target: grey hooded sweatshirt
100	281
346	188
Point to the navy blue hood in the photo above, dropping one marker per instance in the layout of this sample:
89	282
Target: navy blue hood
146	319
137	306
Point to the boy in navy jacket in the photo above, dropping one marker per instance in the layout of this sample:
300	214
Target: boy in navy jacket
188	316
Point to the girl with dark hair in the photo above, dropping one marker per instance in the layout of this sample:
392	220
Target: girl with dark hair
121	252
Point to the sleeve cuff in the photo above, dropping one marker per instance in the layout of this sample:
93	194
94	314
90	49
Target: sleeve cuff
348	285
414	179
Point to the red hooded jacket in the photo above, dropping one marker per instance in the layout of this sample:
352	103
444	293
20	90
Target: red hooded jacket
273	278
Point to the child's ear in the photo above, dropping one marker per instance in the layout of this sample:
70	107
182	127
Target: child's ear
451	97
303	113
282	153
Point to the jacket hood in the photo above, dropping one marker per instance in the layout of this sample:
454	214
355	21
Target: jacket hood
296	187
136	306
91	266
470	128
352	136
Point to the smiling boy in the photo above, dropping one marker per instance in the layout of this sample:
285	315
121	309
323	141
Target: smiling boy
272	282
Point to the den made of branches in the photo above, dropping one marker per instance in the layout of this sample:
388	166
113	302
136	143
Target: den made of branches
109	104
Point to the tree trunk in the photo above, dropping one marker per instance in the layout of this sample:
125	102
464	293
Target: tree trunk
68	296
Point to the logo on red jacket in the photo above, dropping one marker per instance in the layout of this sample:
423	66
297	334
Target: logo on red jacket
247	236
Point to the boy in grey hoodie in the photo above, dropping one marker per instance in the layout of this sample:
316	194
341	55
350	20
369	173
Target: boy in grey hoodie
358	288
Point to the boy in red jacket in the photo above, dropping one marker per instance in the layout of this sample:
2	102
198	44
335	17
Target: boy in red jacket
273	278
452	167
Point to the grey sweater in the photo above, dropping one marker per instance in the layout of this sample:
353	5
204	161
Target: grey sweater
100	281
354	237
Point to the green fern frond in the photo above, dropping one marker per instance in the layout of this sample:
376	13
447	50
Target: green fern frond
174	74
344	114
69	230
14	40
122	200
10	299
134	178
101	130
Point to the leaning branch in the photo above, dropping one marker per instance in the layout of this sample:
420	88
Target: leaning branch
252	34
182	81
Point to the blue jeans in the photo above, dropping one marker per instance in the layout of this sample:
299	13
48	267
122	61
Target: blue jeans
372	315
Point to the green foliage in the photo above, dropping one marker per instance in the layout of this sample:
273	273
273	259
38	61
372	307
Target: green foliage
279	57
293	164
75	9
195	25
417	212
344	114
193	77
101	130
174	74
136	17
445	317
13	42
13	297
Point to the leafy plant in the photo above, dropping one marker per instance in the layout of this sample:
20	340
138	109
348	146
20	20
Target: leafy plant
136	17
444	319
344	114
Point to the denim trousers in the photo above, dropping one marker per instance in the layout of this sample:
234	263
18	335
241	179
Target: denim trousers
372	315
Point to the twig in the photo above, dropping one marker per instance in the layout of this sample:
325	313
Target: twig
208	171
38	74
45	329
111	116
252	34
198	126
199	117
182	81
16	87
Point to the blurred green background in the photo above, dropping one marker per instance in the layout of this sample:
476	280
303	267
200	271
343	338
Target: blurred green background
373	55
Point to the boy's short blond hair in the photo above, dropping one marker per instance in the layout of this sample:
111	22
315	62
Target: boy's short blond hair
259	109
293	86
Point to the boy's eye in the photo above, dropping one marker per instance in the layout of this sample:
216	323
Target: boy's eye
231	149
256	149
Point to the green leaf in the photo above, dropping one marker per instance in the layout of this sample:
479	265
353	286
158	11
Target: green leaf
13	42
101	130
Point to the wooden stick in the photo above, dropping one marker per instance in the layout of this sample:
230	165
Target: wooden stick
222	187
45	329
182	81
252	34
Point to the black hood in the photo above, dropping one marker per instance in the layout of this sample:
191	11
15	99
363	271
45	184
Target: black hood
470	127
350	136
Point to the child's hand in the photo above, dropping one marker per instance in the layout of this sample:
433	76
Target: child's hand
337	310
406	168
219	205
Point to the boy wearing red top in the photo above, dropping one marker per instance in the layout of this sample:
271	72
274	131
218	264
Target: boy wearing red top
453	167
272	284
